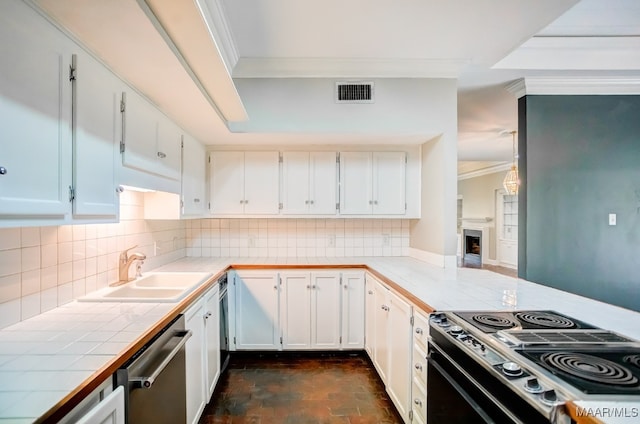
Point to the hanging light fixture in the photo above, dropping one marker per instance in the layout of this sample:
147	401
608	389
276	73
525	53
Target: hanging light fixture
511	181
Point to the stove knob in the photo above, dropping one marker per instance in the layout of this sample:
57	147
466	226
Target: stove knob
444	321
483	348
455	330
549	397
533	385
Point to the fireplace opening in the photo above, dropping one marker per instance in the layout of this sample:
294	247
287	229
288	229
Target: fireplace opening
472	253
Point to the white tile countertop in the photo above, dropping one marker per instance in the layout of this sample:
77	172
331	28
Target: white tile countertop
46	357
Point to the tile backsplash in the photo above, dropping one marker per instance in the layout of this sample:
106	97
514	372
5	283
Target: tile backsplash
44	267
297	237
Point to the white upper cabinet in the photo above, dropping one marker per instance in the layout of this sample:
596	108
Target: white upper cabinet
35	105
150	142
372	183
244	183
96	134
309	183
193	177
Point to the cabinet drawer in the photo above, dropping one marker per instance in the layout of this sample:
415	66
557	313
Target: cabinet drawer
419	365
418	402
420	330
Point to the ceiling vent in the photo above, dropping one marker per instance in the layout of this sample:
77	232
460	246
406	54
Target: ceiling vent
354	92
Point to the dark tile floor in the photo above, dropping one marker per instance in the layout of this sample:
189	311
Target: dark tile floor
287	388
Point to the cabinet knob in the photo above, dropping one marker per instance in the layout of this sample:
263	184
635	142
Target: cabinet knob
196	200
313	286
419	330
3	170
375	202
417	402
207	315
370	291
346	286
418	367
308	286
306	202
371	202
119	189
162	155
311	201
275	287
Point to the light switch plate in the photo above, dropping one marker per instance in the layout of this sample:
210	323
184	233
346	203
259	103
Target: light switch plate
612	219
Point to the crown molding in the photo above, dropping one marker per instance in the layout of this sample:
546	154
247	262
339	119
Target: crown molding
574	86
485	171
215	18
252	67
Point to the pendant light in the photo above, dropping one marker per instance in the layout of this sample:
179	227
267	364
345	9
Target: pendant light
511	181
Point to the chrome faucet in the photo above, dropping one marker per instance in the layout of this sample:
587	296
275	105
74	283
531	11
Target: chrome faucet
124	263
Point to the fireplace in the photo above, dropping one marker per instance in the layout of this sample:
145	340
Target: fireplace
472	247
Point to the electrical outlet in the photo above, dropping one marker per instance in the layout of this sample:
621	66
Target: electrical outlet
252	241
386	240
331	240
612	219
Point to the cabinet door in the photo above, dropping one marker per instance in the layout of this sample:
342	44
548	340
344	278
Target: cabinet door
110	410
370	316
261	183
325	310
256	309
389	173
353	310
355	183
96	135
194	359
212	339
193	177
400	347
168	150
381	347
322	183
227	182
296	310
295	183
140	122
35	105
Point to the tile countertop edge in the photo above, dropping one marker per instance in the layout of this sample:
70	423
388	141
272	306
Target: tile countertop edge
414	279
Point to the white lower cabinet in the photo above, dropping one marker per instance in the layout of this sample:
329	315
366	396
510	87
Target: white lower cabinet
212	339
256	305
298	310
392	321
353	310
195	362
419	378
370	315
310	310
104	405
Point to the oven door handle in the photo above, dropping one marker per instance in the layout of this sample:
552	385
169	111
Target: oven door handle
146	382
461	390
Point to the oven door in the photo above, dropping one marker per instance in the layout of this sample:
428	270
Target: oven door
466	393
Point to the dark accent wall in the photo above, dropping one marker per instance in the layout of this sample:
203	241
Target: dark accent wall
579	162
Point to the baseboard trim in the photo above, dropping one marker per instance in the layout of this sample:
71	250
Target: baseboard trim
442	261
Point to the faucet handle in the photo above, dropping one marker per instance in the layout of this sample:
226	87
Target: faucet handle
124	254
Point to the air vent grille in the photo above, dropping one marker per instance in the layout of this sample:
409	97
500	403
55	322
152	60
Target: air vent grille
354	92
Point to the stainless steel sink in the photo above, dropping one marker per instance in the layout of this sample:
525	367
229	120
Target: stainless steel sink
152	287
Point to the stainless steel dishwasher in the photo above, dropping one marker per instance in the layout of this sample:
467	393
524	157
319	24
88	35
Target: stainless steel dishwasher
154	378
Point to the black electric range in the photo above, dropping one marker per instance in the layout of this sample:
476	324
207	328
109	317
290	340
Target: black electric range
527	364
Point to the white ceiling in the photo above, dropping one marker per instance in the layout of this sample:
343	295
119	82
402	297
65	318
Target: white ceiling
485	44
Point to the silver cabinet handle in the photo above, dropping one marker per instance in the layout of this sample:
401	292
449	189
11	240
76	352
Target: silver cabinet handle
385	308
311	201
371	202
119	189
207	315
313	286
306	202
370	291
417	402
162	155
419	330
308	286
196	200
375	202
418	367
3	170
147	382
346	286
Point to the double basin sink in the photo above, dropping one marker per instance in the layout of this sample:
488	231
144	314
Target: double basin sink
152	287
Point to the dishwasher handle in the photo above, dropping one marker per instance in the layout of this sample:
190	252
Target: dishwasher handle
145	382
